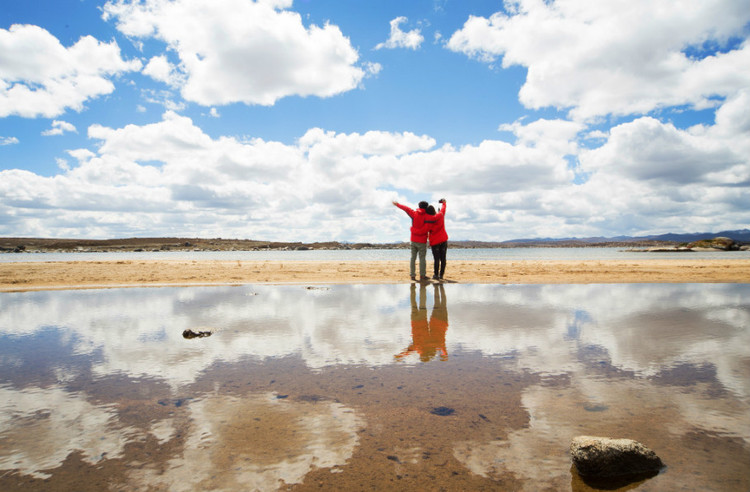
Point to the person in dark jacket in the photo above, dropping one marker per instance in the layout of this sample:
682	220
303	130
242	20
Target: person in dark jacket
438	238
418	239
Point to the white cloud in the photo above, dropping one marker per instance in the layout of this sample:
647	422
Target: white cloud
41	77
614	57
59	127
646	150
242	51
558	134
400	39
172	177
8	141
163	98
373	68
63	164
160	69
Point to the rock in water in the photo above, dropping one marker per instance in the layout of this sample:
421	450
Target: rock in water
189	334
605	457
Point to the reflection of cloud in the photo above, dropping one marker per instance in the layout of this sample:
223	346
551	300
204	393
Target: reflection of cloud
641	328
628	408
39	428
644	328
139	331
257	443
664	364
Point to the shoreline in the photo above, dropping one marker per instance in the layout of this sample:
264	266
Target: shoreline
28	276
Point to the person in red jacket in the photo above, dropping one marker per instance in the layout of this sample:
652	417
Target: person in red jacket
438	238
418	239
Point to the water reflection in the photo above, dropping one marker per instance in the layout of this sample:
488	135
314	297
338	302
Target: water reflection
334	386
256	442
427	337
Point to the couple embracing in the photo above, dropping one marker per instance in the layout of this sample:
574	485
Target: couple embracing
427	224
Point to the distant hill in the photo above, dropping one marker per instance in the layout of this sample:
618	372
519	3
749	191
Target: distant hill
18	244
740	236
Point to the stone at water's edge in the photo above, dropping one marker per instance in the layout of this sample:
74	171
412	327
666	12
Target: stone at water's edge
605	457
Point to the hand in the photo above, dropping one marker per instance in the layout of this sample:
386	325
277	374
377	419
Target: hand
394	202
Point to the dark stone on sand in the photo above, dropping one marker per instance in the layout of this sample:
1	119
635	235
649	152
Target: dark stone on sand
599	457
442	411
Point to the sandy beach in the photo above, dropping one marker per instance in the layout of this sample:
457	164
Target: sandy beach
131	273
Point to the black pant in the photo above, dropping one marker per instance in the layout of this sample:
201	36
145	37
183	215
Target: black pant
439	253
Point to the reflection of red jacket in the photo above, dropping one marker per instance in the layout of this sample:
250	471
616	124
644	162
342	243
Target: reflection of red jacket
437	227
418	229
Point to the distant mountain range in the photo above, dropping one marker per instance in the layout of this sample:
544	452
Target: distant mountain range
740	236
19	244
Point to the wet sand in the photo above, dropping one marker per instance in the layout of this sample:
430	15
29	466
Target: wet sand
96	274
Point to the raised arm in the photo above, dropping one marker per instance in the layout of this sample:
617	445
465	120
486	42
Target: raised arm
406	209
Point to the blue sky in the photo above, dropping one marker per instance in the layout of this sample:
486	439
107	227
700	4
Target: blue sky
303	120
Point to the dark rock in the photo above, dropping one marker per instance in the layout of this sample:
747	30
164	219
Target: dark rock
720	243
605	457
195	334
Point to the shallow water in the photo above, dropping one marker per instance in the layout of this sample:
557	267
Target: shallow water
479	254
383	387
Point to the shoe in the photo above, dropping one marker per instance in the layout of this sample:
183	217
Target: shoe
424	278
413	277
436	277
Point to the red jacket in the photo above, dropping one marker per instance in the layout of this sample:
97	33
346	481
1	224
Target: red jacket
418	229
436	225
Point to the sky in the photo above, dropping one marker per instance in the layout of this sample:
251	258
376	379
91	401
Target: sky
303	120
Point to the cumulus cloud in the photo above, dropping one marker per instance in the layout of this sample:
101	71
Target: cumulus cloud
160	69
615	58
254	52
170	176
59	127
8	141
41	77
649	150
400	39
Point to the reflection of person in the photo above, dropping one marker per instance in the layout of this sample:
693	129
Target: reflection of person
418	239
438	238
428	338
439	319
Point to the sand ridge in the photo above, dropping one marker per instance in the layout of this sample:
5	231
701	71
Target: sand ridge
97	274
